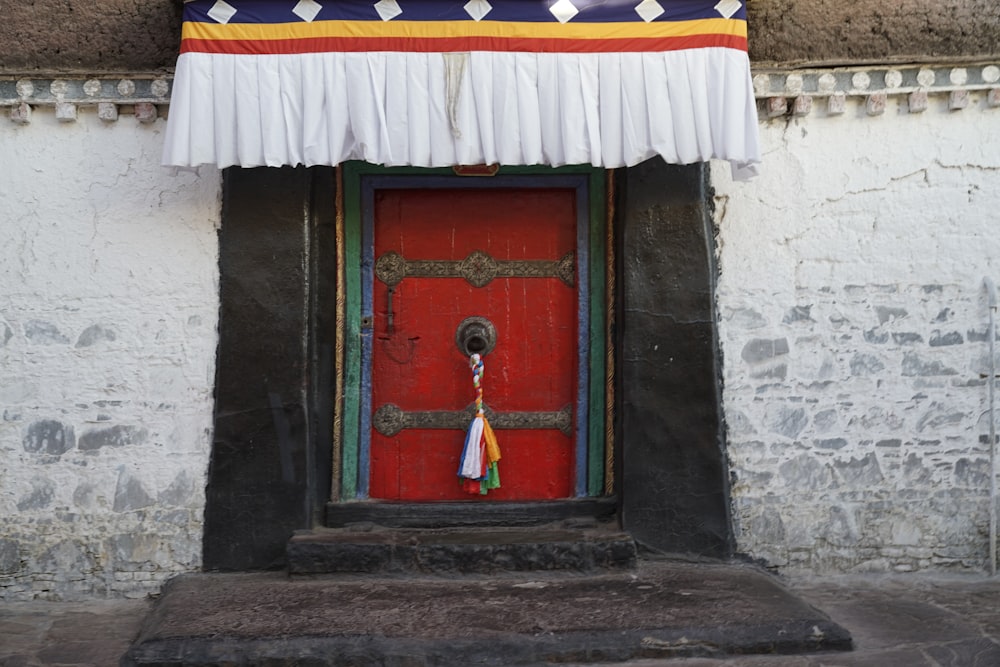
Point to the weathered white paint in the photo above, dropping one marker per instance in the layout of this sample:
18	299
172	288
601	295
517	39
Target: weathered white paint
108	313
852	323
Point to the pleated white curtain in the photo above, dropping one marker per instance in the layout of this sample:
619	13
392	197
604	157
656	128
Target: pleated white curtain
432	110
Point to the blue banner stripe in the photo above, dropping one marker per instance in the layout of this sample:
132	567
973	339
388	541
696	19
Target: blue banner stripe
514	11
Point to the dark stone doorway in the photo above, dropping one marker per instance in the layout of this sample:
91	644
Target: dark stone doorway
271	460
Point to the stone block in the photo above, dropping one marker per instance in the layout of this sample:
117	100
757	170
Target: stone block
10	556
113	436
805	473
875	104
798	314
958	99
825	420
802	105
130	494
836	104
43	333
938	416
48	437
762	349
43	492
745	318
786	421
915	366
776	372
475	550
876	337
776	107
866	364
939	339
893	443
145	112
862	473
889	313
831	443
907	338
21	113
65	112
917	101
107	111
95	333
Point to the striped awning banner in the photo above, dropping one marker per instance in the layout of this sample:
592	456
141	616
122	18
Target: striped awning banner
439	83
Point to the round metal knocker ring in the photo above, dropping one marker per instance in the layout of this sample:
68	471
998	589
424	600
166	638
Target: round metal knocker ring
476	335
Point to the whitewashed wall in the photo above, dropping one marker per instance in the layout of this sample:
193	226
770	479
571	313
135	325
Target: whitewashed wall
108	313
853	323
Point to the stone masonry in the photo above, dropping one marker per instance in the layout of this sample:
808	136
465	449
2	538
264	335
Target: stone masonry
108	310
853	320
850	301
142	35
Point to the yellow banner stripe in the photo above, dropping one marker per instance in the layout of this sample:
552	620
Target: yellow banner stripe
436	29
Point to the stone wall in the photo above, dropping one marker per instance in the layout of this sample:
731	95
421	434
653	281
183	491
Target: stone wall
853	320
108	312
869	31
143	35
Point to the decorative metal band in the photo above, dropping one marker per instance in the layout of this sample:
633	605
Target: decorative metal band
390	419
479	268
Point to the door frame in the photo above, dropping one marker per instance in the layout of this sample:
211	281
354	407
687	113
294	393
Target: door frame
357	184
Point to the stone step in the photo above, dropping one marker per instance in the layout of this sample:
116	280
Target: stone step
458	550
401	514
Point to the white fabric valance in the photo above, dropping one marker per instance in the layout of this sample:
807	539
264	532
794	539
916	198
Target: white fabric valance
432	109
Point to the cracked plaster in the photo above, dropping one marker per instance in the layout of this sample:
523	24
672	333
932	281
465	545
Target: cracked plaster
111	304
885	229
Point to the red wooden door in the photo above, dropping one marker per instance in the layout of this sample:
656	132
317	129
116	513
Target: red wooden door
432	239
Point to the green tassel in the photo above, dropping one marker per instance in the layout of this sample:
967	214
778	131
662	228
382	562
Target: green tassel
493	476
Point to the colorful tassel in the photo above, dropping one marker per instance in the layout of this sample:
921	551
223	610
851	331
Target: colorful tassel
477	468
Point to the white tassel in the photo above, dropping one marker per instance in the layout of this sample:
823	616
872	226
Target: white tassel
454	68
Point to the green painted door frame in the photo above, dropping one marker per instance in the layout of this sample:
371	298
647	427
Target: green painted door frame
351	482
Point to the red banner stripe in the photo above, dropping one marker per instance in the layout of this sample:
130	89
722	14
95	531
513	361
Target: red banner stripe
459	44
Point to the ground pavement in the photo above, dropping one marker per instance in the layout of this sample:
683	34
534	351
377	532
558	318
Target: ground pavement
906	620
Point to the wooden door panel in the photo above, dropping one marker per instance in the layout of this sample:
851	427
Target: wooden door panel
417	366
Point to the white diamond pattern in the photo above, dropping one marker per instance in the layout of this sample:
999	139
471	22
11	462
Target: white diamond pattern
307	10
388	9
728	7
478	9
222	11
564	10
649	10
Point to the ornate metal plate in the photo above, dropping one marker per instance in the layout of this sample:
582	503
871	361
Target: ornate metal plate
479	268
389	419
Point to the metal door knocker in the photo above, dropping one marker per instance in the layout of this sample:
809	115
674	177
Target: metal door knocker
476	335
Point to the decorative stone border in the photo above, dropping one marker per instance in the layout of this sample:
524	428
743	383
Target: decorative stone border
66	95
779	92
794	92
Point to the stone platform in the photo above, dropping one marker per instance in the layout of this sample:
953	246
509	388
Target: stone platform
660	609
